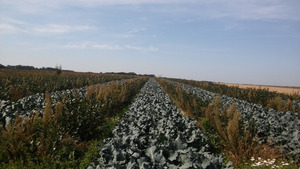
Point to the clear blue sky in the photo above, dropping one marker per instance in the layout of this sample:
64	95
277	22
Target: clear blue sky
239	41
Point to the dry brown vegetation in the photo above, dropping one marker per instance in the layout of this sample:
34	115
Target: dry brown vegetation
62	135
279	89
15	84
264	97
237	142
223	126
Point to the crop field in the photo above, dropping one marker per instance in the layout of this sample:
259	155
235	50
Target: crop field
16	84
98	120
279	89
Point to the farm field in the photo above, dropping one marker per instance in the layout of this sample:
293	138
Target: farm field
16	84
140	84
279	89
90	120
264	97
258	130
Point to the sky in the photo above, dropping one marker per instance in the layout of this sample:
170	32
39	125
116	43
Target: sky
237	41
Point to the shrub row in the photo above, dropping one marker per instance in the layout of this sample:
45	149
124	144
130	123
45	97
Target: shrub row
28	105
264	97
221	120
15	84
64	136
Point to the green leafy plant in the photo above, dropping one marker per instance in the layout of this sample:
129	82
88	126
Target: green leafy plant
21	83
264	97
223	126
61	136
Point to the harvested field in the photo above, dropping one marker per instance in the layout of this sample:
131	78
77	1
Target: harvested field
279	89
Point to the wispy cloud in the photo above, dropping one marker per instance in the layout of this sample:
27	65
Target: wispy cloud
80	46
37	6
6	28
103	46
4	19
10	25
125	47
133	47
136	30
138	48
129	34
58	29
214	49
242	9
250	9
151	48
107	47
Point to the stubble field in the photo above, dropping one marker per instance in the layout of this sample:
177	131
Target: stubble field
279	89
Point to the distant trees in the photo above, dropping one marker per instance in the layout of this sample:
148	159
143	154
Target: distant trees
24	67
58	69
131	73
20	67
123	73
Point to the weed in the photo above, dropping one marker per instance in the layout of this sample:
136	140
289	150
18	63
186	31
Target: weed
60	138
223	126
